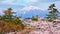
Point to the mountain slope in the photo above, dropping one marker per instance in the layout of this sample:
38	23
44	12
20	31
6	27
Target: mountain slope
32	11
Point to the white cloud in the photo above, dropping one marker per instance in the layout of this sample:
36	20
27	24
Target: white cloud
57	5
45	5
34	0
9	2
1	11
42	5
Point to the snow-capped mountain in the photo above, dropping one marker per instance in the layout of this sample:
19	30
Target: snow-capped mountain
32	11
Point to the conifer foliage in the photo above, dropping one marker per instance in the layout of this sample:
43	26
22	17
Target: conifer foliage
53	13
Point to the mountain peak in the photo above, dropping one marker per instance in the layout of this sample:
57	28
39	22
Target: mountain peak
25	9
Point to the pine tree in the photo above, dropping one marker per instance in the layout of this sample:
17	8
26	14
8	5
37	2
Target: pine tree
8	13
53	13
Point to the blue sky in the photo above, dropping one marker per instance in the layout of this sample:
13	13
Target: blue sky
22	6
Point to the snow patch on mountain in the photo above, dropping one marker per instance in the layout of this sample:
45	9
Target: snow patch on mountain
28	8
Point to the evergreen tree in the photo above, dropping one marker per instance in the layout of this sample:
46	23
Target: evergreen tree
53	13
8	13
